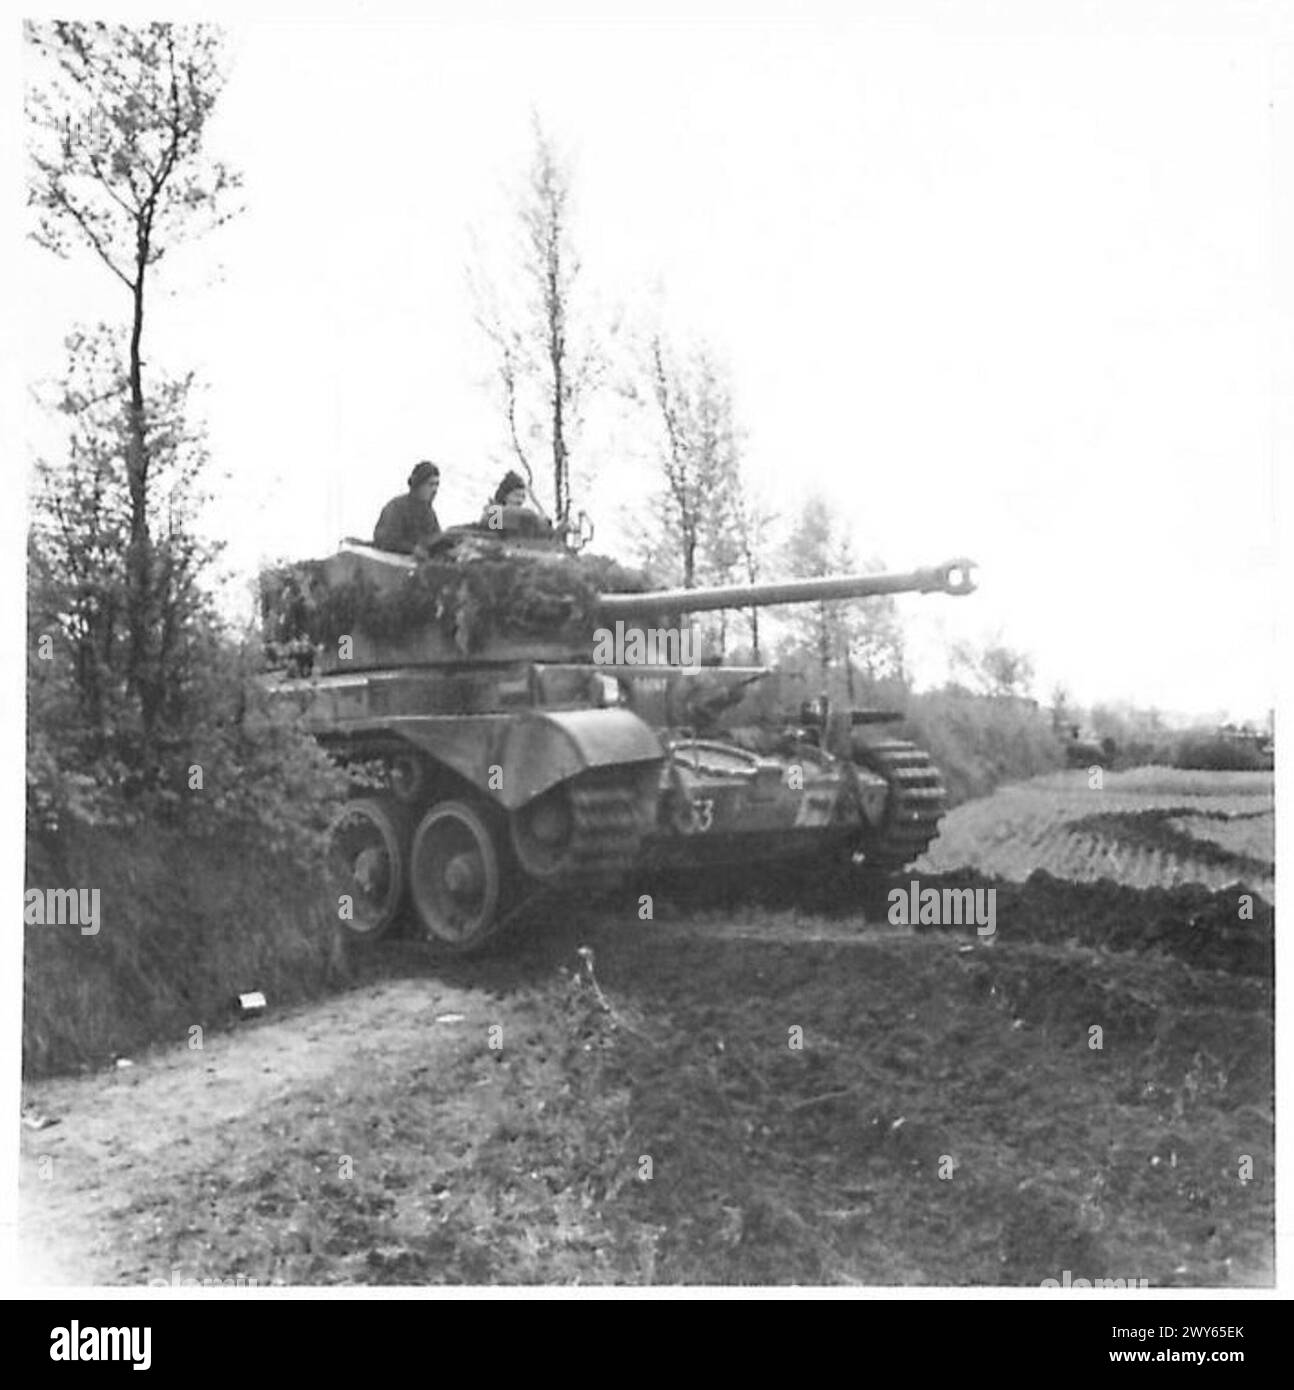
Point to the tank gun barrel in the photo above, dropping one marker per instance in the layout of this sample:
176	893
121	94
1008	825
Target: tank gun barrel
952	577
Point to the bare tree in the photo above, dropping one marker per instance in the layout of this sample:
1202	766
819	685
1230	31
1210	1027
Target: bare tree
705	527
845	638
117	123
547	360
698	457
993	668
1061	709
752	523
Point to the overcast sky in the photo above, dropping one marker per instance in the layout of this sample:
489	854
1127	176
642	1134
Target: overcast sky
993	290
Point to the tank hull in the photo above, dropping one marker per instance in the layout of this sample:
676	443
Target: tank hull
585	800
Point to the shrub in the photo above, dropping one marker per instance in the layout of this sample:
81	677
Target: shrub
979	741
207	856
1214	753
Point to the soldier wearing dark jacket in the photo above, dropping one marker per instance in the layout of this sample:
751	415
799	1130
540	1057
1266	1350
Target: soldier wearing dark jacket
507	510
409	521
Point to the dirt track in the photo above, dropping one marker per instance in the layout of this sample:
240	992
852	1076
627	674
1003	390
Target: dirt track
170	1116
945	1120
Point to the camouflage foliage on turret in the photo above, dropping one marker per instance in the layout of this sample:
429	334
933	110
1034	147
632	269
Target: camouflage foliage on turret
473	590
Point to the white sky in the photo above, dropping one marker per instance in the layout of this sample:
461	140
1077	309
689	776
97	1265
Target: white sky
995	290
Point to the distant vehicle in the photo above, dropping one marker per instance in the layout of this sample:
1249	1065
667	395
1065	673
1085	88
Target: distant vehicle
1086	750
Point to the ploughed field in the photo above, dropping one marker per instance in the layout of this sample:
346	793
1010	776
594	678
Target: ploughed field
767	1086
1151	827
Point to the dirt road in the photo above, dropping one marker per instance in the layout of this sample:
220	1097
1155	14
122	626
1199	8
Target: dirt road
756	1094
181	1113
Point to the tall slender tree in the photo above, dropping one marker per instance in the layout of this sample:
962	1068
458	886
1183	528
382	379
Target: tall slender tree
705	526
117	117
547	357
79	579
698	460
844	639
752	524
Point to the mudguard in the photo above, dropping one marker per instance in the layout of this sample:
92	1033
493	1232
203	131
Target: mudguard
551	746
532	751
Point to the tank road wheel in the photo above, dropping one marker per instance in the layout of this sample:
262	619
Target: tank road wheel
585	832
455	878
367	858
543	832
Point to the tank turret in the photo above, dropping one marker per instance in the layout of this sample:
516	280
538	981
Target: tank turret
490	597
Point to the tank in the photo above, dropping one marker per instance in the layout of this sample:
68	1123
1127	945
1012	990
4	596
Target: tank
522	722
1086	750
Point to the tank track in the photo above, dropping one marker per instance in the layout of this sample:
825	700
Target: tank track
914	808
607	833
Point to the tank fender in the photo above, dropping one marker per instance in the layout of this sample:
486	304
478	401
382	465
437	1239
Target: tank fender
550	746
514	758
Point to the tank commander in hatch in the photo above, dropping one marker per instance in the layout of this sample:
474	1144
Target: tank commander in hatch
409	522
511	491
511	509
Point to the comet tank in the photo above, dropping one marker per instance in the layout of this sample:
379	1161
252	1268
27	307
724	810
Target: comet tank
522	720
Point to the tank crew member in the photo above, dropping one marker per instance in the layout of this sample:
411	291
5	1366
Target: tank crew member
409	521
510	509
511	491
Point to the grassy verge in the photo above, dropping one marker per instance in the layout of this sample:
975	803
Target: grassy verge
946	1120
185	926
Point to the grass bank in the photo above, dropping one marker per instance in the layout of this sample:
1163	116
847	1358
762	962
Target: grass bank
184	926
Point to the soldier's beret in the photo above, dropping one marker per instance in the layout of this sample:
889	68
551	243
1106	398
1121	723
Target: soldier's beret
511	481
